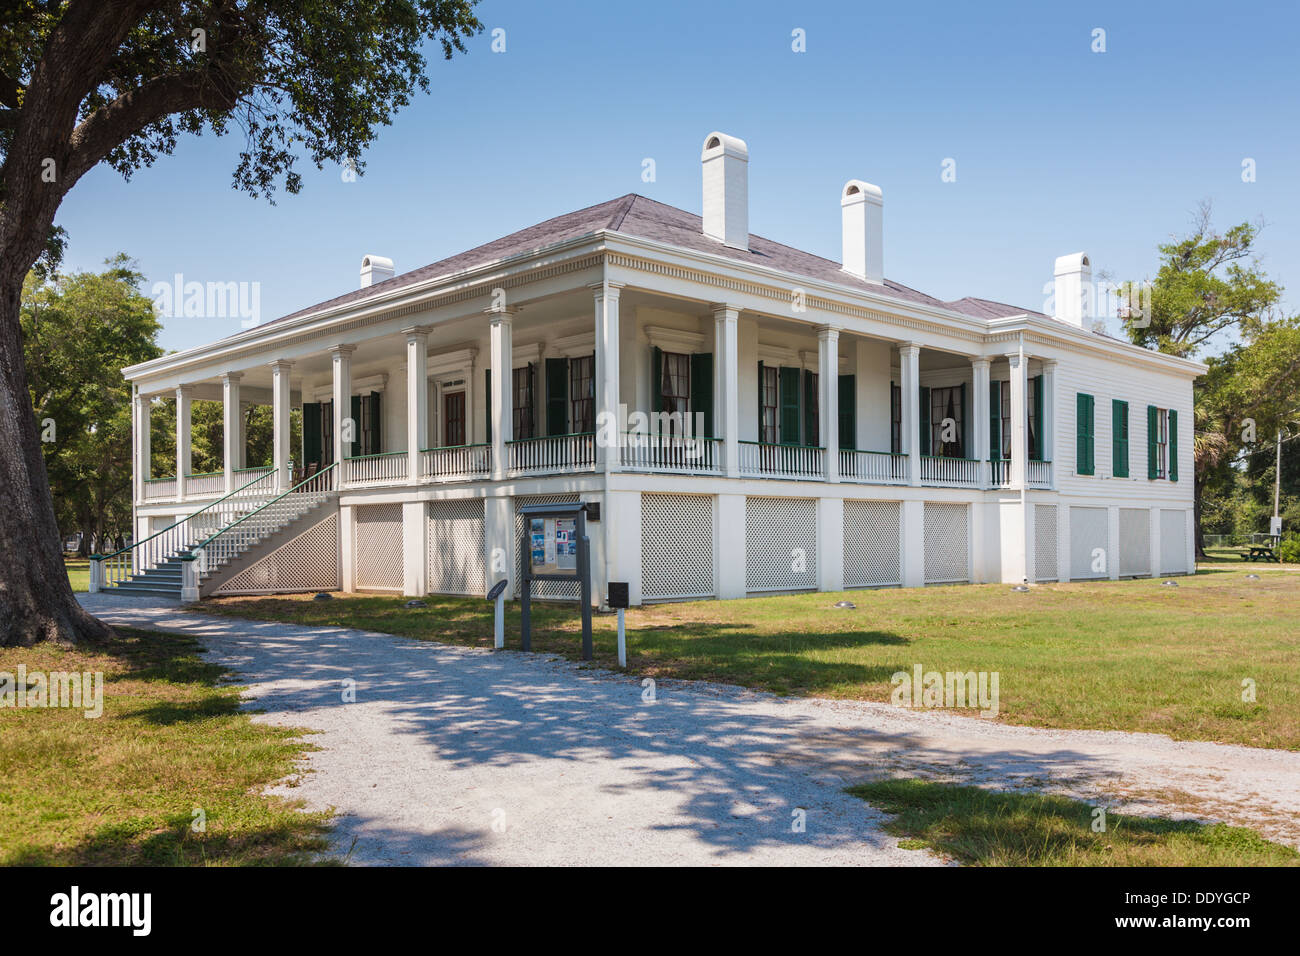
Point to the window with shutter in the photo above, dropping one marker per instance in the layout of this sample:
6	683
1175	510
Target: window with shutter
702	394
1119	438
848	411
995	420
812	429
1083	464
557	396
790	410
768	403
1173	445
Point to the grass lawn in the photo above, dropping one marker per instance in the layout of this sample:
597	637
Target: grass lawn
78	573
985	828
1121	655
123	788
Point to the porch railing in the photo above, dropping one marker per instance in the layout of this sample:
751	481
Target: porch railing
456	462
955	472
159	489
670	453
205	484
873	467
383	469
800	462
1038	474
261	478
553	454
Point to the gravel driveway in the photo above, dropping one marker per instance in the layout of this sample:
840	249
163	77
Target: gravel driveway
459	755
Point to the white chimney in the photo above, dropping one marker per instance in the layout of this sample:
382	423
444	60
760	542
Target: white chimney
375	269
726	190
862	211
1072	298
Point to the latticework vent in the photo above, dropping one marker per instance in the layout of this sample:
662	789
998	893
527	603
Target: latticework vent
1089	534
872	544
554	590
947	543
780	544
1173	542
1045	543
308	562
454	537
676	546
377	555
1134	541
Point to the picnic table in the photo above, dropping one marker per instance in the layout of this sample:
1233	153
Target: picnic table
1260	552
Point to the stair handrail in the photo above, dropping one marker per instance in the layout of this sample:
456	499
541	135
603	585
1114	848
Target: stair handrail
136	548
199	551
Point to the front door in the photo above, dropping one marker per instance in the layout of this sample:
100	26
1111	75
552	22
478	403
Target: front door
453	418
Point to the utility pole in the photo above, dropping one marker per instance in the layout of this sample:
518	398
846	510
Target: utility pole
1277	483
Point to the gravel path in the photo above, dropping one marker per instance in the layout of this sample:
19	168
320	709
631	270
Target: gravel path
461	755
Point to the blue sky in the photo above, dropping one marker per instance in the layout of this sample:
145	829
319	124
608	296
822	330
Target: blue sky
1057	148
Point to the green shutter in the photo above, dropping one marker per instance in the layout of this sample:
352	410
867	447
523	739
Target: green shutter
311	432
1036	452
702	391
1119	438
557	396
759	406
965	424
811	431
1153	449
376	425
788	433
995	420
656	379
1083	445
487	391
848	411
354	448
1173	445
924	436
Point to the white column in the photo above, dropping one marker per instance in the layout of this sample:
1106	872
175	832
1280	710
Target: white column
729	548
417	398
913	538
341	368
184	397
830	544
232	428
909	380
415	557
726	385
501	414
608	424
144	443
1019	431
980	409
828	384
280	432
1048	424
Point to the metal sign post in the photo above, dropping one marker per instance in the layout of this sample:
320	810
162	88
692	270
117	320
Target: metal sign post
498	594
555	547
617	597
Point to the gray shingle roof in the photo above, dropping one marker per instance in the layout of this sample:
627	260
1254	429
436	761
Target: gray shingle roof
636	215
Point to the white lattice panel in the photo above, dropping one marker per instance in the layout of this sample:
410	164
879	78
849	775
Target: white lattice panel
676	546
1045	543
1089	531
555	590
308	562
377	548
872	544
1134	541
947	543
780	544
1173	542
454	536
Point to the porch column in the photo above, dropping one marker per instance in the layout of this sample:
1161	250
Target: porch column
726	386
980	427
232	428
143	443
280	450
1048	425
828	383
1017	364
501	414
184	398
909	381
341	365
608	425
417	398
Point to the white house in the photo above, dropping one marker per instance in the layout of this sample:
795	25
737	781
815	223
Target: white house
856	432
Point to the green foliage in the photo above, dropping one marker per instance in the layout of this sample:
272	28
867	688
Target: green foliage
1289	549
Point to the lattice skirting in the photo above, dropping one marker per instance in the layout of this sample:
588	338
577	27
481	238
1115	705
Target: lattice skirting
947	543
1045	543
1134	542
378	555
873	554
780	544
1090	555
455	544
1173	542
553	590
676	546
308	562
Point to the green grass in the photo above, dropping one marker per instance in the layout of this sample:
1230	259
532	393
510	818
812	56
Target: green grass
121	789
1121	655
78	573
986	828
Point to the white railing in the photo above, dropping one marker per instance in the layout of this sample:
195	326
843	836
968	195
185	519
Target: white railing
1000	472
955	472
670	453
254	481
159	489
873	467
205	485
554	455
801	462
456	462
386	469
1040	474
